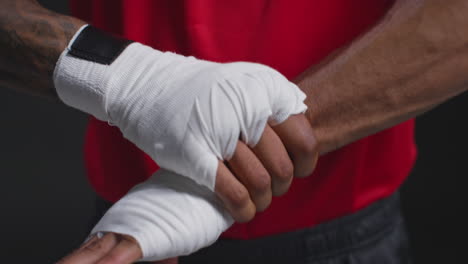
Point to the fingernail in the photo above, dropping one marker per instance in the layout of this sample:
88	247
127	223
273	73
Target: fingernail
90	239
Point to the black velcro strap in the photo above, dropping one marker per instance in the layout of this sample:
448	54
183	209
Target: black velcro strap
95	45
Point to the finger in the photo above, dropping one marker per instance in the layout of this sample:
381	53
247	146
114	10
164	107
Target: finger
274	157
251	173
234	195
91	240
92	251
298	138
126	251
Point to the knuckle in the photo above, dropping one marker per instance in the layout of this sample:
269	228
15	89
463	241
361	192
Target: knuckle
261	182
308	147
239	198
284	170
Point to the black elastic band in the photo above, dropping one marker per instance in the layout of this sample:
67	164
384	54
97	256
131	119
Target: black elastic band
95	45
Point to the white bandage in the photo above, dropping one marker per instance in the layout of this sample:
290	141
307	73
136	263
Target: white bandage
184	112
169	215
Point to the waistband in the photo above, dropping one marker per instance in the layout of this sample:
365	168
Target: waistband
332	238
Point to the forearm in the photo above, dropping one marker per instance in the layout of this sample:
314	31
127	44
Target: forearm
415	59
31	40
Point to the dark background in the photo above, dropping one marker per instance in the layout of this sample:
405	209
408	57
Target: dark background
46	203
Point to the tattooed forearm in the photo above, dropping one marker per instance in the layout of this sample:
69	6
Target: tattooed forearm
31	40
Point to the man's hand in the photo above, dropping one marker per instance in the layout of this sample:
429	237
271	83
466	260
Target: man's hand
155	117
195	215
265	170
192	115
108	249
166	216
169	215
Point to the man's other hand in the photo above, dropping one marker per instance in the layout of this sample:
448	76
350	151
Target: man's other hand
247	182
109	249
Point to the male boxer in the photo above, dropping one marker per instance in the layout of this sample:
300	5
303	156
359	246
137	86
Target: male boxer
412	59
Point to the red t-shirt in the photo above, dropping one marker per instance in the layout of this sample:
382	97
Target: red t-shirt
289	36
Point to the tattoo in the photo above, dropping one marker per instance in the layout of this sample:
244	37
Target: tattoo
31	41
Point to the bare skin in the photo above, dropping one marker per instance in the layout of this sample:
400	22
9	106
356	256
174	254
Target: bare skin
31	41
413	60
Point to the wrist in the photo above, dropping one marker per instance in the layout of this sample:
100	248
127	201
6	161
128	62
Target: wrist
82	71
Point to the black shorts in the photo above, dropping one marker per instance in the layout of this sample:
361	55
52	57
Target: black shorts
374	235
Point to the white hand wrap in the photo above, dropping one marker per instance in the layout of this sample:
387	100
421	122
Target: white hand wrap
184	112
169	215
